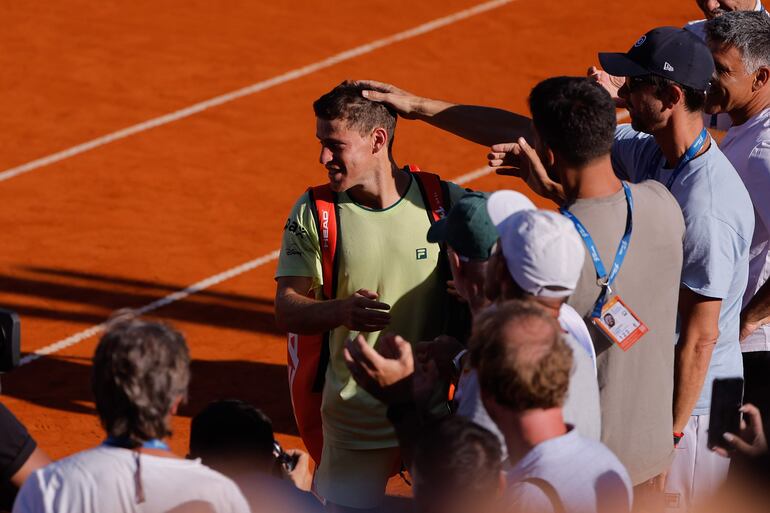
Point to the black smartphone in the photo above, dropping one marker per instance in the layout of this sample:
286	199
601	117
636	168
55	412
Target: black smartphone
10	337
725	416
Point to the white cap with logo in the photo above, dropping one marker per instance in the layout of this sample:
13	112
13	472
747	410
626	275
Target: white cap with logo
543	250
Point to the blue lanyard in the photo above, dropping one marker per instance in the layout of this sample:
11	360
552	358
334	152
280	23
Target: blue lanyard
690	154
127	444
604	280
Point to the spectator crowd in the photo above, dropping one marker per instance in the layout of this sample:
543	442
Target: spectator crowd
499	357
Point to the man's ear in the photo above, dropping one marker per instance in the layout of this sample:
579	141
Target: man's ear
175	405
380	140
672	95
454	260
761	78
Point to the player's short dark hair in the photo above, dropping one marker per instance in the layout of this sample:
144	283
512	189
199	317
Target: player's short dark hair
140	368
345	102
231	429
458	457
574	117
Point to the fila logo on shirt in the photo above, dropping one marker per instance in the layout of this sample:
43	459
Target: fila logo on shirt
668	67
422	253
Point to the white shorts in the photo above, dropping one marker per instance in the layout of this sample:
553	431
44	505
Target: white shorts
697	472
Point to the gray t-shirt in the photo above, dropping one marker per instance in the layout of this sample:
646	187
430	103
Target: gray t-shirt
581	476
719	218
636	386
581	407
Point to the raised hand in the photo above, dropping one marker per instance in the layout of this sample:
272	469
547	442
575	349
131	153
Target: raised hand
609	82
386	373
406	104
521	160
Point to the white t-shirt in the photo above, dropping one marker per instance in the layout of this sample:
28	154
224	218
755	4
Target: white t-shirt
569	473
103	480
747	147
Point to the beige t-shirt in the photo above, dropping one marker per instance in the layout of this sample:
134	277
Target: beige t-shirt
636	387
385	251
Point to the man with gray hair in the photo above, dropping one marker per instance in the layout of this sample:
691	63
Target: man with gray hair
140	374
740	44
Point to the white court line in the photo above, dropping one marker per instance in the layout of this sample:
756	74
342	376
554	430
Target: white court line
192	289
252	89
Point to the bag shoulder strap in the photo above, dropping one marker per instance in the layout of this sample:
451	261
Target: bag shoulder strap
435	194
549	491
323	204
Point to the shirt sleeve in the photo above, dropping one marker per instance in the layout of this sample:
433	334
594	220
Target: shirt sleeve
29	500
300	250
711	251
16	444
757	181
631	158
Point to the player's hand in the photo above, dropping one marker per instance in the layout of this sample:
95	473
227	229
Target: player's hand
386	373
442	351
610	83
451	289
362	312
751	441
301	475
406	104
521	160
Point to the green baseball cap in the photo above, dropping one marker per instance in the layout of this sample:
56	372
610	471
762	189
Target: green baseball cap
467	229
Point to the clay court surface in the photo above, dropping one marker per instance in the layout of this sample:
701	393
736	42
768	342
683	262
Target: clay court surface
130	221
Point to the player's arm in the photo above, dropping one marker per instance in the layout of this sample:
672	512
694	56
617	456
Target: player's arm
482	125
295	312
699	316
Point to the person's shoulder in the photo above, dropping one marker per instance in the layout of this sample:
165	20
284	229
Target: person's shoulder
625	132
651	195
728	199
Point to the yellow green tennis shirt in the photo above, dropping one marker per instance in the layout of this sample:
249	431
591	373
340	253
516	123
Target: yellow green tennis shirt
385	251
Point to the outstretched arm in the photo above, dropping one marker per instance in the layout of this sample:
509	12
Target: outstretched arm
482	125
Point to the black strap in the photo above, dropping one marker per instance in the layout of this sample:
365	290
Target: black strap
549	491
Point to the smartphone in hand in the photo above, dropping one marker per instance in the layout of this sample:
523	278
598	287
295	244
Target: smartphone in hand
725	416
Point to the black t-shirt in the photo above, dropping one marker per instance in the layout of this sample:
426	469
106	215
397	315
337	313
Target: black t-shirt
15	448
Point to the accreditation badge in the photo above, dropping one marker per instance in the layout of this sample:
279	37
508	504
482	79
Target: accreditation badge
620	324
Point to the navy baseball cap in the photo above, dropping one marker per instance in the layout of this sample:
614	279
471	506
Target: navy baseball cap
669	52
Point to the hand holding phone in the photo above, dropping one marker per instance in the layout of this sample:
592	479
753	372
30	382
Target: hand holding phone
725	416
